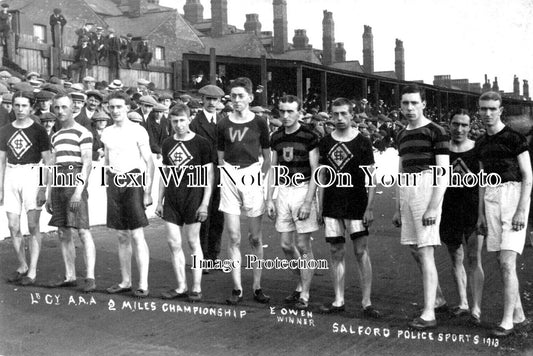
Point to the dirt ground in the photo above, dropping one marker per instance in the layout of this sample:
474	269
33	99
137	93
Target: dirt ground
41	321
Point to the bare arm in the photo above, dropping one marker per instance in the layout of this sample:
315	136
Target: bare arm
519	218
201	213
305	209
368	217
3	161
437	195
481	221
397	217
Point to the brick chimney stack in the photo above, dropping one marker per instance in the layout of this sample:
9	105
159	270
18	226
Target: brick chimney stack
194	11
516	86
219	17
399	61
368	50
340	52
525	90
495	86
328	38
281	32
300	39
252	24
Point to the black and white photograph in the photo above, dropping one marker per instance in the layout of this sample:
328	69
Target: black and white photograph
293	177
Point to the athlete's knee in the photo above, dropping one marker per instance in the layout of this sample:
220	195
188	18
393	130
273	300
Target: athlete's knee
286	245
14	227
255	240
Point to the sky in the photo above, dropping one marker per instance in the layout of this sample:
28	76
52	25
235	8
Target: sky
462	38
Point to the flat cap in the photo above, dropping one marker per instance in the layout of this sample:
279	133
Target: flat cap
211	90
32	73
55	80
54	88
143	81
89	79
160	107
48	116
44	95
77	96
57	11
185	97
164	96
147	100
5	5
7	98
23	87
100	116
135	116
95	94
14	80
5	74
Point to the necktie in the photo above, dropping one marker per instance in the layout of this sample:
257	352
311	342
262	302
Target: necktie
213	120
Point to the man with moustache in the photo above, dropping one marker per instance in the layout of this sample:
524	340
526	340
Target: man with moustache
68	205
459	218
347	210
205	125
503	209
23	144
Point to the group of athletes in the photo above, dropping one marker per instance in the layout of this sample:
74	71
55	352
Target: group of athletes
240	145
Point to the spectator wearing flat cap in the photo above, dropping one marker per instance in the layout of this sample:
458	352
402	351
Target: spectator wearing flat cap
48	120
43	102
165	99
147	104
94	102
205	125
7	103
142	86
83	59
99	122
157	127
135	117
57	23
78	103
89	83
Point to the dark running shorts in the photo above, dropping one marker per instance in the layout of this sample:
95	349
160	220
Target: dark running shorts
452	234
125	208
62	216
181	208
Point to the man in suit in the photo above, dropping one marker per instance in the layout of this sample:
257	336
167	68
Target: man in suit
57	22
82	60
98	41
205	125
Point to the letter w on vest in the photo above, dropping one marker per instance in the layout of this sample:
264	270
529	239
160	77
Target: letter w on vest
237	134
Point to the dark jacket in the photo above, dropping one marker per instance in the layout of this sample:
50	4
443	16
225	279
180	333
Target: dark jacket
157	133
